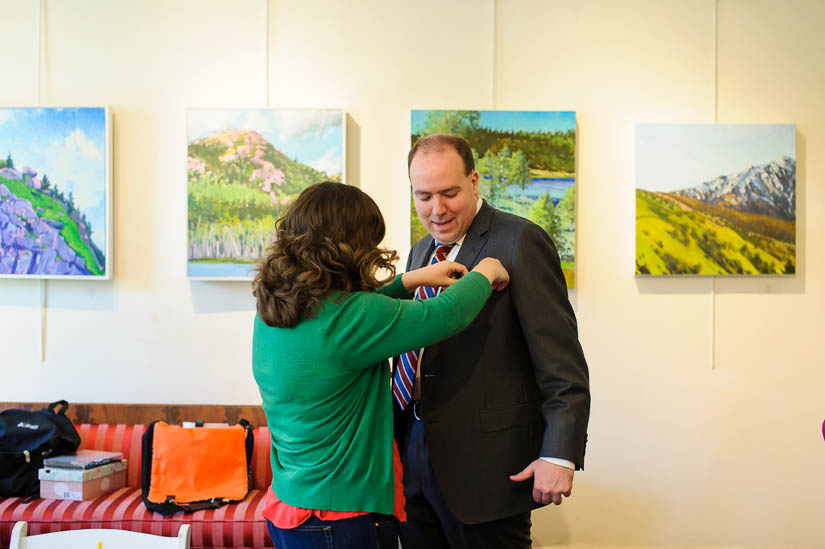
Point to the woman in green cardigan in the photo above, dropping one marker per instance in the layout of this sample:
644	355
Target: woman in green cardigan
326	324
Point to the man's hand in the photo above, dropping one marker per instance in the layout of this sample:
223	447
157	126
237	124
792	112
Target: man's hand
550	481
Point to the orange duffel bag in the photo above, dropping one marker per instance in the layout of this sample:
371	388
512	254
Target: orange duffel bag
194	468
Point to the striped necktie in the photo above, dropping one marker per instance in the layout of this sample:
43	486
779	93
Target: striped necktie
404	379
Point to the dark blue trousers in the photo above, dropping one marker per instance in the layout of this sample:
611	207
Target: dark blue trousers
373	530
430	523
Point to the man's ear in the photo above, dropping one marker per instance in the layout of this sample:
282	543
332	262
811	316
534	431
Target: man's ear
474	181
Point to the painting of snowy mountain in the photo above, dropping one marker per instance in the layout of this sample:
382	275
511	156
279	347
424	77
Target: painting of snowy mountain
715	199
245	166
55	193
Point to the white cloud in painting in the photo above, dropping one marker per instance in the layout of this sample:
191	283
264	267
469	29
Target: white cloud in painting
304	125
201	123
259	121
78	143
275	125
6	115
75	166
330	162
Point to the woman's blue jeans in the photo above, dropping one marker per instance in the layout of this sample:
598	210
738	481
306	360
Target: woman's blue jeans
366	531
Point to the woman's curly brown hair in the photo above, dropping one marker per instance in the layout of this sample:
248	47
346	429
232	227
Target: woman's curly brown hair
327	240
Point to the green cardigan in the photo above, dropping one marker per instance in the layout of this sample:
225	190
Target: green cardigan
326	389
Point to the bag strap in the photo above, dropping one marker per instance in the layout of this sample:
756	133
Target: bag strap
214	503
249	444
63	407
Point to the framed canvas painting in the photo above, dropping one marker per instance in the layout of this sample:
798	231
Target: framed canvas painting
244	168
55	193
715	199
526	162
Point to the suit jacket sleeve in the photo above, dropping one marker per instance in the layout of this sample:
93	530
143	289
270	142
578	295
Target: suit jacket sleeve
539	293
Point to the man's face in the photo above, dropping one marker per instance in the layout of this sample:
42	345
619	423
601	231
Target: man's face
445	198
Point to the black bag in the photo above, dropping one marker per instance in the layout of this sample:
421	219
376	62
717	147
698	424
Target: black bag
191	459
26	438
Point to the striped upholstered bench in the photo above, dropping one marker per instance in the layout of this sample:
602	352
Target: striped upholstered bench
238	525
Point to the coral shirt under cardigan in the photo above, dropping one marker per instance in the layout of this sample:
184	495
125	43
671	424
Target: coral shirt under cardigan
286	516
326	390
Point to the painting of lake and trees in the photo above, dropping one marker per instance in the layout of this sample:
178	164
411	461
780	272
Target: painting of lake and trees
715	199
526	161
55	193
245	166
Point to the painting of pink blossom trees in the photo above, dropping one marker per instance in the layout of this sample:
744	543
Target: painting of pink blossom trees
244	167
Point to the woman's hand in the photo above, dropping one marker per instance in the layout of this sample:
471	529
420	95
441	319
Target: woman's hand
442	273
494	271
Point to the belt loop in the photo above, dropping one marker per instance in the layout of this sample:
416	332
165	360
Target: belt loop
415	409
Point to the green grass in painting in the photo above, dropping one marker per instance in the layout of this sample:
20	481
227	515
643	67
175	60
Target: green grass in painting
750	226
675	235
209	187
49	208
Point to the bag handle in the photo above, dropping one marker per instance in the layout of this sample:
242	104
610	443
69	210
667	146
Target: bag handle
63	407
242	422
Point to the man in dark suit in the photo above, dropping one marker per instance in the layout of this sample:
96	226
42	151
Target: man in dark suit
497	420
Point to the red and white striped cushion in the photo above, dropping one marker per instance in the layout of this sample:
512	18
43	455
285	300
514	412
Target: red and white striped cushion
116	438
238	525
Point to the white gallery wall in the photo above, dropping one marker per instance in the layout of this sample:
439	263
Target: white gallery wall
708	394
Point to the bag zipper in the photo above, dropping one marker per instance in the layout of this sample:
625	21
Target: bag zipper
27	454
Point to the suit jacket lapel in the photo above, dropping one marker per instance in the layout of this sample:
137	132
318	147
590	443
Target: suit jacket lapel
419	257
421	254
474	241
476	236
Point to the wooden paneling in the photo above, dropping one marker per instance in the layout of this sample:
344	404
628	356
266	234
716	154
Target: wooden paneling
146	413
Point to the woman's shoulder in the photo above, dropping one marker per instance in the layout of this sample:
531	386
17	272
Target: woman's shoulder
360	298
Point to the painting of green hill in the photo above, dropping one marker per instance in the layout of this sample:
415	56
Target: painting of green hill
679	235
240	183
55	193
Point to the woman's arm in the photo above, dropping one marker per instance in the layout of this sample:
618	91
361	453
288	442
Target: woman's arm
375	327
443	273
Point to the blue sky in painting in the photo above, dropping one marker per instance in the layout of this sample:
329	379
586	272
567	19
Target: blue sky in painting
310	136
548	121
69	146
670	157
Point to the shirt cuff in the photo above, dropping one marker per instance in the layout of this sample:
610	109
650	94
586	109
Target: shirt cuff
562	462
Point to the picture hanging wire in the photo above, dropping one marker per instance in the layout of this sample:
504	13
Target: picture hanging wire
713	322
493	54
39	65
42	320
716	61
715	121
266	56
